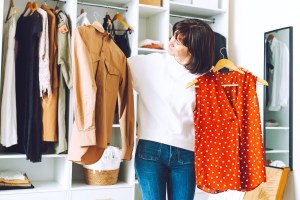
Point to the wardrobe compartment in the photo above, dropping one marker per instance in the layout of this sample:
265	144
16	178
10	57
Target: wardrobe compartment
277	137
126	173
153	22
51	175
55	177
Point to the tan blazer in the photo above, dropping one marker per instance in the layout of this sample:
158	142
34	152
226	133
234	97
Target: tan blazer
100	75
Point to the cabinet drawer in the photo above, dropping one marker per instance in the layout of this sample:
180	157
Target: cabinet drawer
103	194
35	196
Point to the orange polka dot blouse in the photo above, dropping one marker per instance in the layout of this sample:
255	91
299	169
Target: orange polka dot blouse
229	151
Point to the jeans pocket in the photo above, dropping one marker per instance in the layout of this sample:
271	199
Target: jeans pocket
148	150
186	157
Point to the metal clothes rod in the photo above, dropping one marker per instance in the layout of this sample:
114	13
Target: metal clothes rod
103	6
189	17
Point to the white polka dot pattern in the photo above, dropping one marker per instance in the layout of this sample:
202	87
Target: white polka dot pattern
229	150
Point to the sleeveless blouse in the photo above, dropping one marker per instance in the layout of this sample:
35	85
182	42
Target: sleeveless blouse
229	153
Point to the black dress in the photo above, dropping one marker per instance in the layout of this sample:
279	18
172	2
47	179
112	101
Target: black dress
27	87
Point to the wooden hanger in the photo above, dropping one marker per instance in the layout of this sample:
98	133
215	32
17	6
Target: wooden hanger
11	6
120	19
228	64
29	6
35	5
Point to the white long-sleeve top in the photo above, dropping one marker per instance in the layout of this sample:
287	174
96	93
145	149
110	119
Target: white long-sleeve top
9	135
165	107
279	87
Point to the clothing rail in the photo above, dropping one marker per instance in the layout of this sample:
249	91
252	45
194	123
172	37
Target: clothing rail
103	6
189	17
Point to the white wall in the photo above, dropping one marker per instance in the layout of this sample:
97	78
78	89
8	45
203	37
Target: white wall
249	19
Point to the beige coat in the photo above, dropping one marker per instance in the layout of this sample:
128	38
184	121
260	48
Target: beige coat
100	75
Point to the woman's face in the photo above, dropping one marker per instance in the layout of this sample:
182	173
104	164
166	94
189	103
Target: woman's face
179	51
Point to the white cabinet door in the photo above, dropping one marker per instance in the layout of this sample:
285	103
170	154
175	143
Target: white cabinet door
103	194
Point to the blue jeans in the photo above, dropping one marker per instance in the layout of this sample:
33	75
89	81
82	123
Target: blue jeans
160	168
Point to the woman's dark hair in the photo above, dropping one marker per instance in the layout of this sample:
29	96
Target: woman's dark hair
199	38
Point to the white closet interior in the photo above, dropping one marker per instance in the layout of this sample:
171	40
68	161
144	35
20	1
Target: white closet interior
56	177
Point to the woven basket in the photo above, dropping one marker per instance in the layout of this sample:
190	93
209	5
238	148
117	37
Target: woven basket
100	177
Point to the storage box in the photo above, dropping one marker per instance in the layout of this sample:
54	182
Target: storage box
151	2
211	4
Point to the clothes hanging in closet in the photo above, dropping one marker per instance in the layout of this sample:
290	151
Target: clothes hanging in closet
49	103
229	151
8	103
44	72
100	74
27	87
65	76
279	76
122	40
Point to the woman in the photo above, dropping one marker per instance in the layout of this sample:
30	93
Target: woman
164	160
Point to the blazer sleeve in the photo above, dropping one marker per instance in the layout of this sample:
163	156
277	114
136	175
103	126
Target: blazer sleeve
84	92
126	111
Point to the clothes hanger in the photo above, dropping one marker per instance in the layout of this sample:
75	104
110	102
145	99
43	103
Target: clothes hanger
35	5
56	6
11	6
29	6
120	19
108	19
228	64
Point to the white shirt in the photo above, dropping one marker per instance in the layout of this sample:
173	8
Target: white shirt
8	104
165	107
279	83
82	19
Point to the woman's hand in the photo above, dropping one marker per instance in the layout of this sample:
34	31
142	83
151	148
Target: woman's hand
243	69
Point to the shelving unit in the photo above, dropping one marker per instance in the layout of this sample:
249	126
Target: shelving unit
278	139
56	177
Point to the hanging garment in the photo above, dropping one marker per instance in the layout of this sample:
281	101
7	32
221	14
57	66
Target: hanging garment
220	50
82	19
100	74
122	40
279	76
27	87
44	73
49	103
8	103
65	76
229	150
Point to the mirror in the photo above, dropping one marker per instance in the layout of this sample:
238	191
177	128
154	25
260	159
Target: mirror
278	104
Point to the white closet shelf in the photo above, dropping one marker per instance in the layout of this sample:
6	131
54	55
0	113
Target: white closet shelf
39	187
147	51
81	185
277	151
278	128
191	10
148	10
107	2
